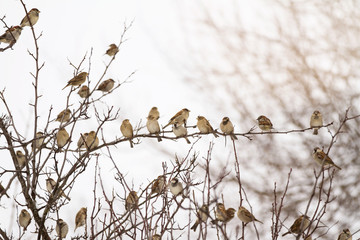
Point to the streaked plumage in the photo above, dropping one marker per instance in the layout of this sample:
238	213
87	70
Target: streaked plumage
33	16
24	219
180	131
77	80
202	216
21	159
204	126
50	186
106	85
61	228
132	201
84	91
91	141
264	123
80	218
295	227
153	127
127	131
158	185
179	118
345	235
227	127
176	187
316	121
10	34
245	216
222	214
113	49
319	156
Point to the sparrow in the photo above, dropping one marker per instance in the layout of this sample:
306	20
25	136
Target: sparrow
319	156
91	141
2	191
227	127
180	131
154	113
24	219
62	137
80	142
245	216
113	49
316	121
202	216
77	80
204	126
11	35
33	16
80	218
132	201
222	214
61	228
295	228
176	187
106	85
39	141
64	116
50	186
264	123
153	127
345	235
158	185
127	131
84	91
156	237
21	159
180	117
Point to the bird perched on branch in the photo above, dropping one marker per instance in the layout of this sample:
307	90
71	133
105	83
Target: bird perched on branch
316	122
106	85
77	80
91	141
264	123
158	185
82	140
321	158
153	127
21	159
61	228
202	216
204	126
50	186
80	218
154	113
176	187
113	49
127	131
11	35
180	117
227	127
84	91
222	214
132	201
180	131
64	116
33	16
345	235
24	219
38	142
62	137
295	228
245	216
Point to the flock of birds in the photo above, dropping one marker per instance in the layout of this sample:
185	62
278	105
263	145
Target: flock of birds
89	141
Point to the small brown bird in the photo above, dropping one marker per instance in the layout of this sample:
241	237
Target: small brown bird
21	159
80	218
39	141
64	116
106	85
180	117
245	216
24	219
154	113
176	187
113	49
127	131
11	35
2	191
132	201
295	228
77	80
50	186
84	91
156	237
61	228
320	157
153	127
91	141
316	122
62	137
158	185
264	123
227	127
202	216
345	235
180	131
33	16
204	126
222	214
81	141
